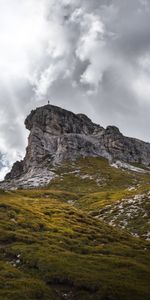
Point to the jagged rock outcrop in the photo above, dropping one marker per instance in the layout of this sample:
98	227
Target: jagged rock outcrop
126	149
16	170
57	135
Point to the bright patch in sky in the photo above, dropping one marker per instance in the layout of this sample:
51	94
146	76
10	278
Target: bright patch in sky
23	33
86	56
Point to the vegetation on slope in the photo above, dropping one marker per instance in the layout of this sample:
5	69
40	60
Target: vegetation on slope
108	193
52	247
51	250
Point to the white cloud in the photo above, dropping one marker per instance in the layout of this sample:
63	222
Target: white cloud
91	46
141	88
23	33
88	55
3	172
37	45
141	80
48	76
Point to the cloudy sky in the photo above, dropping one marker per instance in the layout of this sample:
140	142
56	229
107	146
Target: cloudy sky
86	56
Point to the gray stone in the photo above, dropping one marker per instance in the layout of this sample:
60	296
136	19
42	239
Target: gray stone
57	135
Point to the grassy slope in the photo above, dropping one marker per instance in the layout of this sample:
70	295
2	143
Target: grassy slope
103	185
100	189
53	250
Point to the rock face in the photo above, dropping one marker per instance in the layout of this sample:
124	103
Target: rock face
57	135
16	171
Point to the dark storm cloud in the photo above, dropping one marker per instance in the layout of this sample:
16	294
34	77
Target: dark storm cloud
88	56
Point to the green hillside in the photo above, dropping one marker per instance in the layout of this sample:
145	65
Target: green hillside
53	246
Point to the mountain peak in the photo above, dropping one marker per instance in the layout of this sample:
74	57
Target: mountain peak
59	120
58	135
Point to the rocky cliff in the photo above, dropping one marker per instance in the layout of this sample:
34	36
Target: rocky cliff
57	135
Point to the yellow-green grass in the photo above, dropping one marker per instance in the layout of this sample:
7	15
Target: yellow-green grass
98	185
100	177
102	186
93	202
51	250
